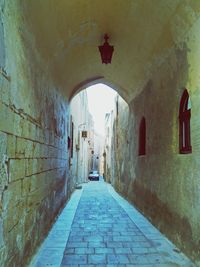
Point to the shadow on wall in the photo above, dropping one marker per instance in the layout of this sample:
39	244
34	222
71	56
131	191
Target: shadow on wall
156	180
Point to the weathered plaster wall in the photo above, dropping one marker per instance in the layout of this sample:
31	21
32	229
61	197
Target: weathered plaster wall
80	163
164	184
116	126
109	161
33	144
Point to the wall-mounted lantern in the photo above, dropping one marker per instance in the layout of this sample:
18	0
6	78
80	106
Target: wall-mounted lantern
84	134
106	51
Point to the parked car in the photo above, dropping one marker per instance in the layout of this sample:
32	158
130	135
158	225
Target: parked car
93	176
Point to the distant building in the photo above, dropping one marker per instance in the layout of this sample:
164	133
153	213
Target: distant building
109	120
98	152
115	139
81	139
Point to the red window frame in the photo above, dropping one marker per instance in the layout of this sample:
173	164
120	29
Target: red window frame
142	137
184	124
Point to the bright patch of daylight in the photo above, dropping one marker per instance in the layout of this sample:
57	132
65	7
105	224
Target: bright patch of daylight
101	100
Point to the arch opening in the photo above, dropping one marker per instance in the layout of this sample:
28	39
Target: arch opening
99	80
94	112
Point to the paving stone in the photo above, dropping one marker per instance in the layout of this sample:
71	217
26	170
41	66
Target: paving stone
69	251
123	251
113	233
108	232
94	239
139	238
104	250
74	259
84	250
77	244
122	238
136	244
76	238
96	259
156	258
107	238
97	244
139	259
142	250
117	259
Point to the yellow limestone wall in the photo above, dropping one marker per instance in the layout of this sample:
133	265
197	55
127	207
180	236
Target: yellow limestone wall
164	184
33	148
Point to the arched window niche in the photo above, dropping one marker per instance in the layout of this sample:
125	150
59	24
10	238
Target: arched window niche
184	124
142	137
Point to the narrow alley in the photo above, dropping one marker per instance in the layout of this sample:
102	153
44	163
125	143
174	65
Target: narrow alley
143	57
100	228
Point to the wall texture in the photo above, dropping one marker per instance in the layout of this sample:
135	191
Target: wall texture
33	146
164	184
80	163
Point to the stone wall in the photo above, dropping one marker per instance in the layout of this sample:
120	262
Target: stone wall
33	145
164	184
33	184
81	161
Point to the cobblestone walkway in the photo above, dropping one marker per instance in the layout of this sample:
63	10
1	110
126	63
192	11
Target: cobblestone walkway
100	228
107	231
